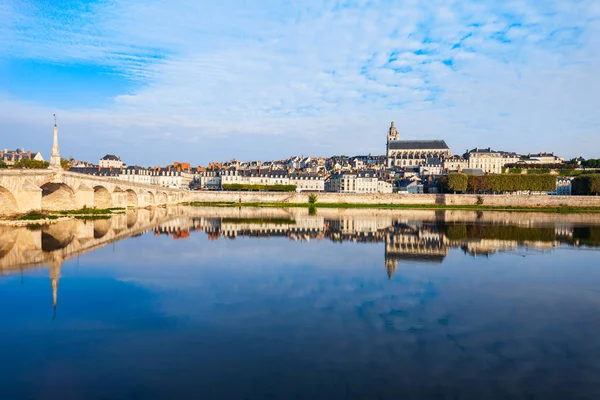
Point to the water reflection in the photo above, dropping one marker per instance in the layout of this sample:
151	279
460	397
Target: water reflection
281	300
409	236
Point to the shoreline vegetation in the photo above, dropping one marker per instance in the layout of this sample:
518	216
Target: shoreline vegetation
566	209
46	217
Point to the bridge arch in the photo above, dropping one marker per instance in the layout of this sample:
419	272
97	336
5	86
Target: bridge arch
161	198
8	203
57	197
132	218
101	228
119	197
151	198
132	198
102	197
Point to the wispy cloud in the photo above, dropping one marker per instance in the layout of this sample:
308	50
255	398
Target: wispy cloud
224	79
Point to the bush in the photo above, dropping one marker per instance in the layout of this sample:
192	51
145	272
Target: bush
31	164
257	188
3	164
513	183
586	185
477	184
457	182
312	198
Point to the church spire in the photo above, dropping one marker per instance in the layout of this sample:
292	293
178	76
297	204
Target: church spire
54	269
55	156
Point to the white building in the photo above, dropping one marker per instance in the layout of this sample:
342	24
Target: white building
365	181
543	158
169	177
110	161
455	163
308	182
563	186
490	161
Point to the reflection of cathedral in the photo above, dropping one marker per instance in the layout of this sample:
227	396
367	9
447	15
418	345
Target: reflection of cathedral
413	244
406	241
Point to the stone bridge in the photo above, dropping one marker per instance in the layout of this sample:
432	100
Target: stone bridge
22	191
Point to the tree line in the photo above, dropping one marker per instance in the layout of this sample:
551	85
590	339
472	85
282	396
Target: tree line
257	188
461	183
586	185
591	163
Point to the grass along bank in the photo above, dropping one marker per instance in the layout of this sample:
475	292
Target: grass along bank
397	206
53	216
92	211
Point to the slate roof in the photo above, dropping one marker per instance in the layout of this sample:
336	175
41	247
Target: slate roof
96	171
110	157
473	171
418	145
366	173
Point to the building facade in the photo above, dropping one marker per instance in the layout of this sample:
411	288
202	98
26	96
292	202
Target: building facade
490	161
110	161
10	157
365	181
411	153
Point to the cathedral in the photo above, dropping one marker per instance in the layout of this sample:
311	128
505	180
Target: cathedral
412	153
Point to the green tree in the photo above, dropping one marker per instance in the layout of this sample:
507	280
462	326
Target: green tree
312	198
31	164
3	164
457	182
65	164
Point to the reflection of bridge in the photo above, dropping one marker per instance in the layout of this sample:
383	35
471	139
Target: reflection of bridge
53	189
23	248
409	237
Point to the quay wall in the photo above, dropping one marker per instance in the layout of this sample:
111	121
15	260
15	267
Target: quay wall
505	200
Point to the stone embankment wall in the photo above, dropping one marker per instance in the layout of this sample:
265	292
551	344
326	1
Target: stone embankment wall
415	199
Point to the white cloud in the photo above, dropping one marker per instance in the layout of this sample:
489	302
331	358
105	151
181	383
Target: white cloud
226	79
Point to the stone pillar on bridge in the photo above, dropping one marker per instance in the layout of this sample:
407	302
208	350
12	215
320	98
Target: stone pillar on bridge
84	196
119	198
29	197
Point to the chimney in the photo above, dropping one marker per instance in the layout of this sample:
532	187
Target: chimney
99	168
489	149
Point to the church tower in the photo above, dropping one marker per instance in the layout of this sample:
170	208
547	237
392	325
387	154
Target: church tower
55	156
392	133
391	136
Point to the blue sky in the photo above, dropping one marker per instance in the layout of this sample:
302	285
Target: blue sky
157	81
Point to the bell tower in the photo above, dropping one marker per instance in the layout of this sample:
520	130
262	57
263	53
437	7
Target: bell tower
55	156
391	136
392	133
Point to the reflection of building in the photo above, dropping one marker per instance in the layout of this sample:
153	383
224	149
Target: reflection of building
406	237
413	243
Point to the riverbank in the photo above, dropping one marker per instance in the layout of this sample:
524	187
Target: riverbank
401	200
50	217
399	206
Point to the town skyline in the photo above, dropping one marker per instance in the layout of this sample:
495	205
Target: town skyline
380	152
156	82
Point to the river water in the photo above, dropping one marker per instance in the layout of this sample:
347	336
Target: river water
227	303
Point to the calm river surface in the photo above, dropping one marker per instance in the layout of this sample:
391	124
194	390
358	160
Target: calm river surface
225	303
